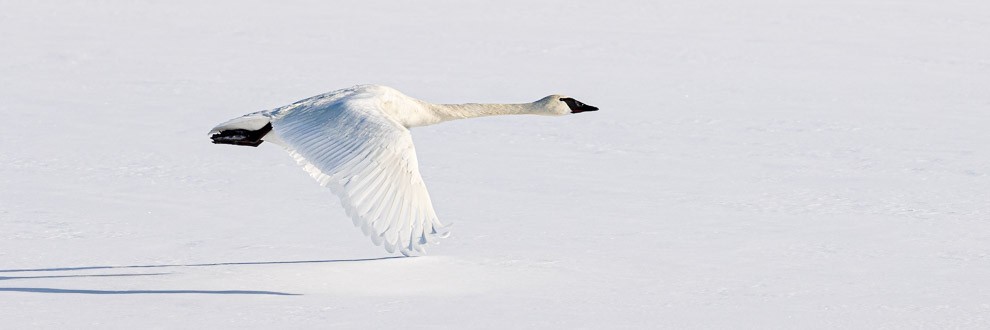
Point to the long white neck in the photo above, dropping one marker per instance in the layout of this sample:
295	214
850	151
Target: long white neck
447	112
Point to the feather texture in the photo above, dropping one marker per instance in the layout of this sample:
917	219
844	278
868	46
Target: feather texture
369	161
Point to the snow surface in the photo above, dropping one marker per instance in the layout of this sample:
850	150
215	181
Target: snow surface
755	164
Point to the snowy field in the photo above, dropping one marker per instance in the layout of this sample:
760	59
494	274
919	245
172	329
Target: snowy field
755	164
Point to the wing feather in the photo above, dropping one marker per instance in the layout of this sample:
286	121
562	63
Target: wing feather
370	163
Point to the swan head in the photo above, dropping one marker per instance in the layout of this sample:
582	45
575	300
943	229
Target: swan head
563	105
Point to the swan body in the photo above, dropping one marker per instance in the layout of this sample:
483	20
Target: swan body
356	142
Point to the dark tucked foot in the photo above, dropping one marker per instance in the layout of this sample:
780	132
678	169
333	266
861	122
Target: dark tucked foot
241	137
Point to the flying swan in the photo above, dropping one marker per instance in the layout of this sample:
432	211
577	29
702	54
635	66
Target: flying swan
356	141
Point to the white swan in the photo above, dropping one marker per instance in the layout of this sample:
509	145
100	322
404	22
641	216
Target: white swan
356	141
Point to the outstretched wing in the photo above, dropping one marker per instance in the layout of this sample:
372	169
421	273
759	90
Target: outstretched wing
368	161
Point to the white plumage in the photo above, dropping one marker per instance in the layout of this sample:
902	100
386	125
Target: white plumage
356	141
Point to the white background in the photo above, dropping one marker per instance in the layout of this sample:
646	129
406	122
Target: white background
754	164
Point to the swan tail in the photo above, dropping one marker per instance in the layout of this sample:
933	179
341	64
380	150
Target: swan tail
248	130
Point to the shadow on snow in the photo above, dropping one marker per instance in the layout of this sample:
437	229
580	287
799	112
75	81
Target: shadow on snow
53	290
116	292
69	276
58	269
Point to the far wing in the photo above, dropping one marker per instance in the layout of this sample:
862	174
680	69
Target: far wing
370	163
